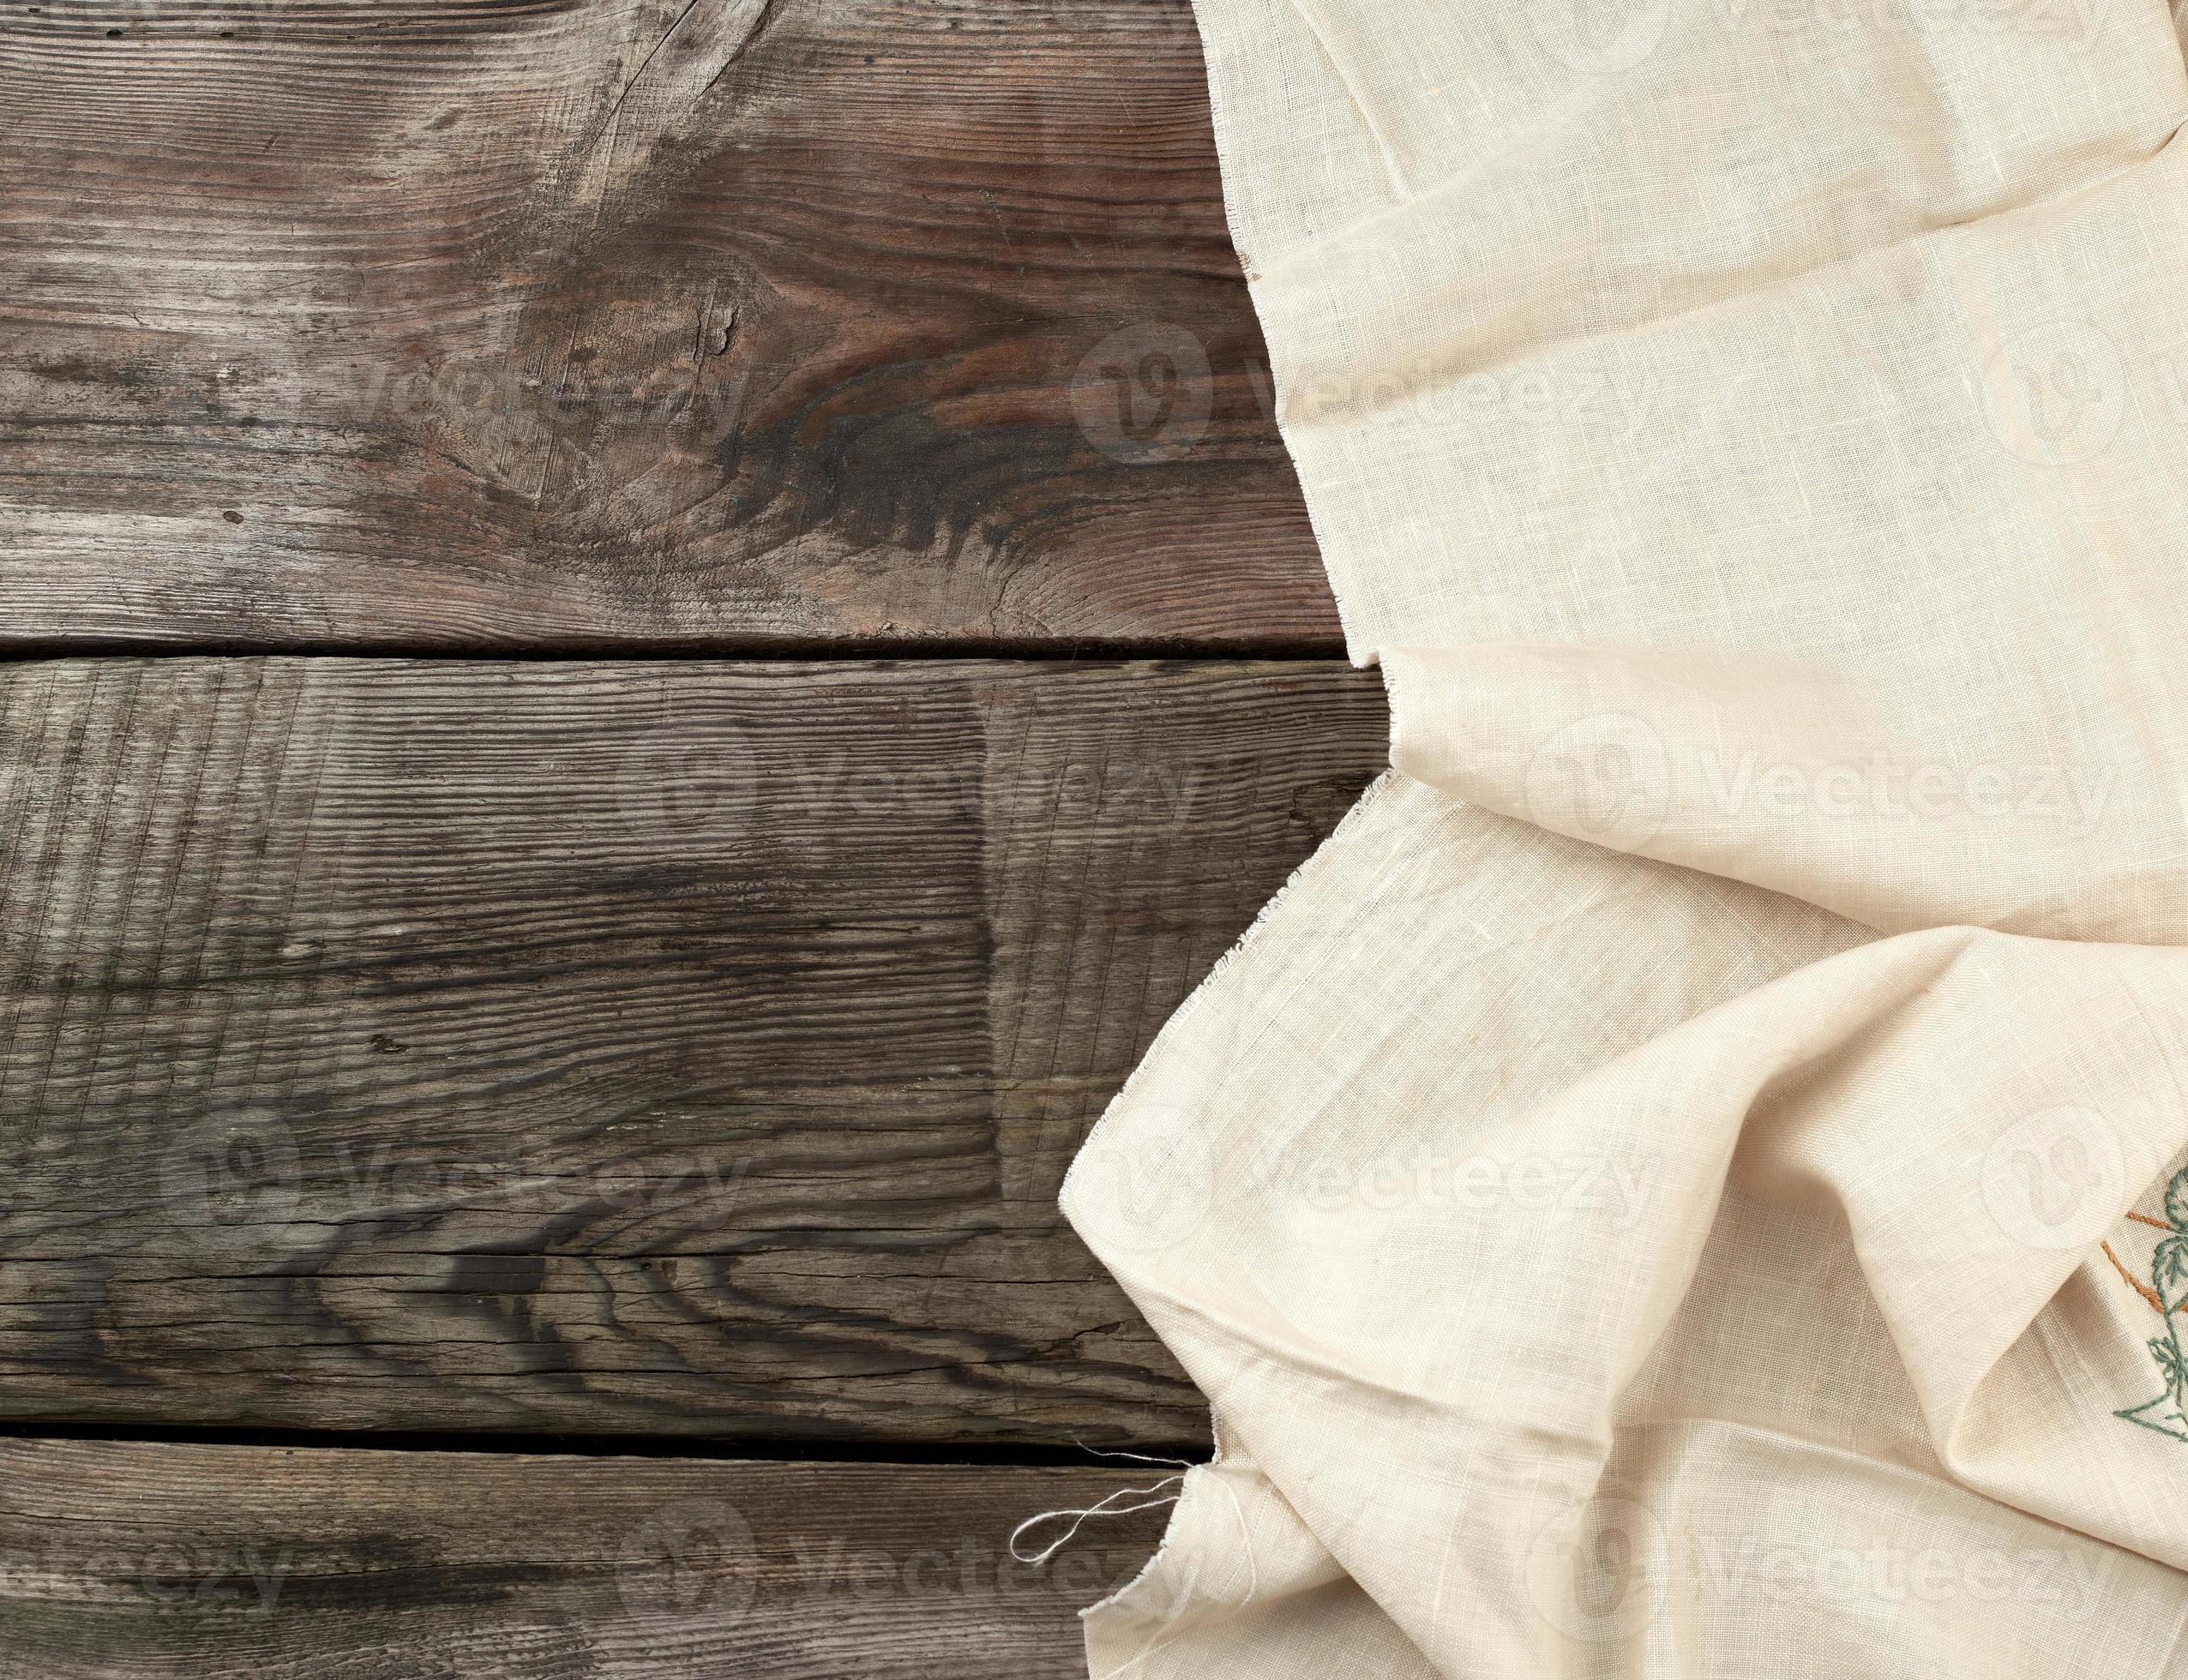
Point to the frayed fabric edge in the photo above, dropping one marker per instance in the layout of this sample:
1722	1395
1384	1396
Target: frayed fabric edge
1228	147
1197	1484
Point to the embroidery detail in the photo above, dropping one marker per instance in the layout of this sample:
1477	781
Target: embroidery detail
2169	1285
2129	1278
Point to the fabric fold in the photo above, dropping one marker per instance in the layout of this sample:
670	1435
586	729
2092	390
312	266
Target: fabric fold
1679	1184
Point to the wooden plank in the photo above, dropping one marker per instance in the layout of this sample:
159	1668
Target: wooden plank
743	325
120	1560
678	1047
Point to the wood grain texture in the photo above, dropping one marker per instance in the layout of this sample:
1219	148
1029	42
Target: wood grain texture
691	1048
734	324
121	1560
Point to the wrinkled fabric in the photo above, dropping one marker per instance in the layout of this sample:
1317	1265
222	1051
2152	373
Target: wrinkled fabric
1689	1179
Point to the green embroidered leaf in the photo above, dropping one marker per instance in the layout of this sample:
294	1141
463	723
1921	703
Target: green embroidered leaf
2176	1200
2169	1357
2169	1265
2162	1415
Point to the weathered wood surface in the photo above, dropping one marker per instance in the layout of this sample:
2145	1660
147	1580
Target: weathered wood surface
689	1048
346	324
119	1560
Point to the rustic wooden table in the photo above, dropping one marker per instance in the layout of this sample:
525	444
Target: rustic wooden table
647	642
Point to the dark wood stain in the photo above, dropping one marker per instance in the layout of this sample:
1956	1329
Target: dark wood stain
648	1051
125	1560
659	1047
796	324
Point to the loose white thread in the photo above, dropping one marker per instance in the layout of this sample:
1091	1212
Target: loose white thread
1137	1458
1100	1508
1245	1528
1253	1569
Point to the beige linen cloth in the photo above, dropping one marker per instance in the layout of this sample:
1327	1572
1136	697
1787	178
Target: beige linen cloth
1679	1184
